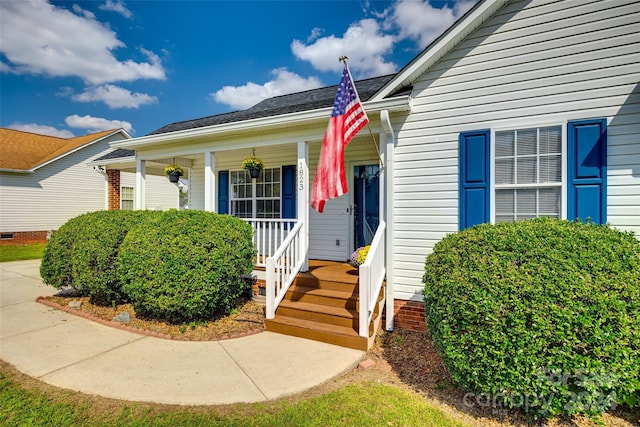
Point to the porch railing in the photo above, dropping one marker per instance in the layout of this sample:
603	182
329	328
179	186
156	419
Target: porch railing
371	275
269	235
282	268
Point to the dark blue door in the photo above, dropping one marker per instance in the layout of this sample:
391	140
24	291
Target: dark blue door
367	203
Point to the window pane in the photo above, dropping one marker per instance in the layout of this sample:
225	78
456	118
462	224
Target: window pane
550	168
505	143
526	202
504	218
527	142
549	204
551	140
505	202
527	173
504	171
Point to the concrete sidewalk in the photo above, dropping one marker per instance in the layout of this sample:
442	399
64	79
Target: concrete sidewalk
72	352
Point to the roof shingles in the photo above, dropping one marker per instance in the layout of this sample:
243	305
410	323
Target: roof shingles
291	103
24	151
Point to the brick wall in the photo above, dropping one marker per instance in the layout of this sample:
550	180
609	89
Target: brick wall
23	237
113	192
409	315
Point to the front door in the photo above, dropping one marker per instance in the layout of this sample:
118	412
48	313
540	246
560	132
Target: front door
366	203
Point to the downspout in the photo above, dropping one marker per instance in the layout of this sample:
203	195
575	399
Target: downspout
387	213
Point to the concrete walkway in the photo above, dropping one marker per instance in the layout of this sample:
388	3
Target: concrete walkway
71	352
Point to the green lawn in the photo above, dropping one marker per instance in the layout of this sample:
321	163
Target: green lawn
361	404
21	252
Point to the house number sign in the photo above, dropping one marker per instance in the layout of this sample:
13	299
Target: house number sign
301	176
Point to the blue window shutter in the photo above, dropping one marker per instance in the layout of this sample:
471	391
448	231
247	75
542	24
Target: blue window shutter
289	191
223	192
587	170
474	178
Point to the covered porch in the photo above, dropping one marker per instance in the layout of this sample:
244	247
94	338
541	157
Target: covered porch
289	235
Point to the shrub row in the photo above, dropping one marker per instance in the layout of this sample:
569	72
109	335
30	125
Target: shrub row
540	314
174	265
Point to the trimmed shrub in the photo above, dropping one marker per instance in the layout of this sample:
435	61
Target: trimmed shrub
541	314
83	253
56	268
186	265
95	250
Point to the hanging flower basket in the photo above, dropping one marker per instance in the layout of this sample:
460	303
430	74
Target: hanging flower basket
174	172
254	165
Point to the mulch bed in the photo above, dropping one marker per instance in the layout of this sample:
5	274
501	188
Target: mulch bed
247	319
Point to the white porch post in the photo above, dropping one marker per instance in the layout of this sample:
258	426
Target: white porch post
302	186
387	144
209	181
141	175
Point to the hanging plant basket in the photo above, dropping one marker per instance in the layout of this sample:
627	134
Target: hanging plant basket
254	165
174	172
254	172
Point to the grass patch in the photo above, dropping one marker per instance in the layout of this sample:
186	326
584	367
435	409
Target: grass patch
362	404
21	252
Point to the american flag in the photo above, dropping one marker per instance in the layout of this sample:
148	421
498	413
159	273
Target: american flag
347	118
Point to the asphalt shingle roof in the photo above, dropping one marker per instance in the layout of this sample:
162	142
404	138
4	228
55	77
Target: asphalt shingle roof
24	151
284	104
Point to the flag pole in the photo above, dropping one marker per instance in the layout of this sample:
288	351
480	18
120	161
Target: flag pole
344	59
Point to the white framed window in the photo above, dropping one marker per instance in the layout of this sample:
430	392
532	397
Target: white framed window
127	198
259	198
528	175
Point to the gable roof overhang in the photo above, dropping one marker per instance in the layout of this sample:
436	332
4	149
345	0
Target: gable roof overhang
61	149
446	42
316	117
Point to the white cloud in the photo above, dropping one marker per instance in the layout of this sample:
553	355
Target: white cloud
118	7
40	38
42	129
96	124
285	82
80	11
420	21
364	43
115	97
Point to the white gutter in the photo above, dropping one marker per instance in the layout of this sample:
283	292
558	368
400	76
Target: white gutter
397	104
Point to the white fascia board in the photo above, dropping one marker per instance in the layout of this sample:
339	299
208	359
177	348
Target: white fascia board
396	104
126	135
114	161
21	171
441	46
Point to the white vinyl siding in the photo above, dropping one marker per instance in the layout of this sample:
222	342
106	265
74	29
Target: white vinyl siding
53	194
534	62
159	192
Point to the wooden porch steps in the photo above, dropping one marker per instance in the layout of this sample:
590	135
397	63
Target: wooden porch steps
323	305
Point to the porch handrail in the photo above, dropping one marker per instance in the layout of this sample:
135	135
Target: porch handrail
371	275
269	233
282	268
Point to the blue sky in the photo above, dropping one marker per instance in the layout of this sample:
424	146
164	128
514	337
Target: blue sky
68	68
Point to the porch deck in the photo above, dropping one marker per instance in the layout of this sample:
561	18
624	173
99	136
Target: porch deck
333	271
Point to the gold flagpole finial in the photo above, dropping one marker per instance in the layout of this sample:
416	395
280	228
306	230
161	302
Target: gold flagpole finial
343	58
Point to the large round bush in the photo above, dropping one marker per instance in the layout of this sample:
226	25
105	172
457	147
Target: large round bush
83	253
95	250
56	268
540	314
186	265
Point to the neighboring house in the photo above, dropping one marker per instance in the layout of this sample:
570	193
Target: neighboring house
45	181
520	109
